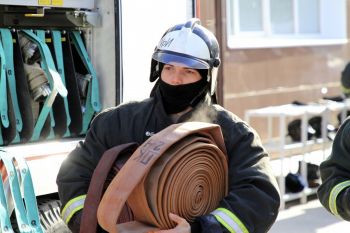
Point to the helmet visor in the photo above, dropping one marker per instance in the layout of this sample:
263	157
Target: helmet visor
168	57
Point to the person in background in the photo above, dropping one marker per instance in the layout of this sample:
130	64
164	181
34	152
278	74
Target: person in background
334	192
184	67
345	81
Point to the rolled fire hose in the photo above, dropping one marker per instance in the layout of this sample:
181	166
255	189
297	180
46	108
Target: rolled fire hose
182	170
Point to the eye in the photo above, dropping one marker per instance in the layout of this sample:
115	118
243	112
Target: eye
190	71
167	67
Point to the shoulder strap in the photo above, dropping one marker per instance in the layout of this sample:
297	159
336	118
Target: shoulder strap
96	187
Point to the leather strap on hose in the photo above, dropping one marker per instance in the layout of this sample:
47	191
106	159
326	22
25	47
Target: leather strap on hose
105	167
189	177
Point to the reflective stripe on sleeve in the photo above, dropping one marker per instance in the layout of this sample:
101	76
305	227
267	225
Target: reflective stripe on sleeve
229	221
334	194
345	90
72	207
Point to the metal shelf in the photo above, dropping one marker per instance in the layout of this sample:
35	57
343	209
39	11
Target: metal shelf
300	195
295	148
281	147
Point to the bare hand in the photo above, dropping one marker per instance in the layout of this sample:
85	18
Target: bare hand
182	225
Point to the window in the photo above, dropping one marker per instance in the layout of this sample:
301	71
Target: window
281	16
281	23
252	19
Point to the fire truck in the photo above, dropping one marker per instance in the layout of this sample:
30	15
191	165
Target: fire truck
61	63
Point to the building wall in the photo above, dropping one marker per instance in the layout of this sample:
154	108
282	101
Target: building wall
255	78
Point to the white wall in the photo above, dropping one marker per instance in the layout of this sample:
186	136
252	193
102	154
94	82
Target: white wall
144	22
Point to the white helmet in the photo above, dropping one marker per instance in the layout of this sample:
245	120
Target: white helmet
190	44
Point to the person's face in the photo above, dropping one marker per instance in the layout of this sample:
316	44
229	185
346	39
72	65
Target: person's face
175	74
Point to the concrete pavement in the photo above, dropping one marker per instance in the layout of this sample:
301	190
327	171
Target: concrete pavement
308	218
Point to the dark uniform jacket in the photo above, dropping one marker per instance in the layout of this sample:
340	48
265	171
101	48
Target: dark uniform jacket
253	199
334	192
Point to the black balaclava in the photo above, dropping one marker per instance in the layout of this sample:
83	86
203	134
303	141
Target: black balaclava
177	98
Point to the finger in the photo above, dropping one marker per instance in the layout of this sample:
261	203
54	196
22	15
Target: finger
176	218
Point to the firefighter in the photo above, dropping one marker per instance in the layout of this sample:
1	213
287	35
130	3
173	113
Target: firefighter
334	192
184	68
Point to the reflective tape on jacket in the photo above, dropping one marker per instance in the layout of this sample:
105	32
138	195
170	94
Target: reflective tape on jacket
72	207
334	194
229	220
345	90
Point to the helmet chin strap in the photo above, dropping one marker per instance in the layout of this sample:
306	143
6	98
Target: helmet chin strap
154	74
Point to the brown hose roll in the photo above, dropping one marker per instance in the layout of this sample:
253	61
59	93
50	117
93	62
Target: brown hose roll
182	170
